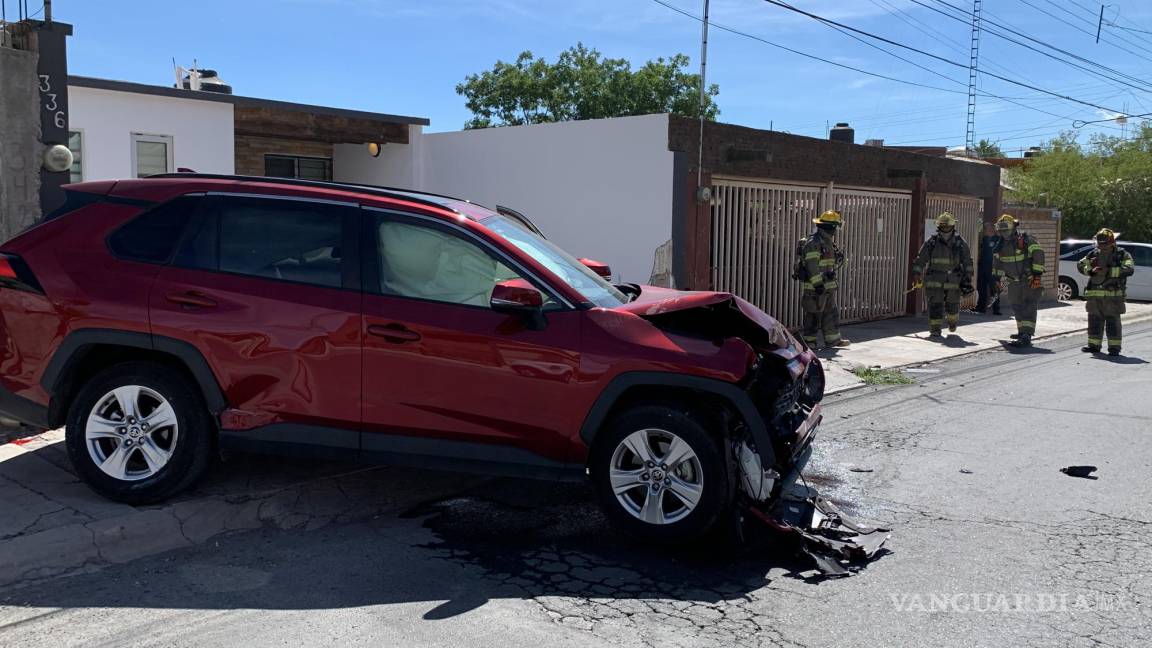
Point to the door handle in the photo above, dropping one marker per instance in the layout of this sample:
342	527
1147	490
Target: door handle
397	333
191	299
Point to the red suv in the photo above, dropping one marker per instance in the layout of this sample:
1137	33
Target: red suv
165	318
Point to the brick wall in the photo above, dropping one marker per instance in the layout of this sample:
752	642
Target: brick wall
772	155
1038	222
251	149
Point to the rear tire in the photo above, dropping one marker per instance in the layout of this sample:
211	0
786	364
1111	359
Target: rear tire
139	432
660	475
1067	290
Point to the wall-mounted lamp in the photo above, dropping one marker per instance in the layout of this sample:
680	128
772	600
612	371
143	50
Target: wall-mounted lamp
57	158
374	148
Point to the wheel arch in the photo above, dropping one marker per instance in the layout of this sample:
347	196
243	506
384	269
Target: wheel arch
653	386
85	351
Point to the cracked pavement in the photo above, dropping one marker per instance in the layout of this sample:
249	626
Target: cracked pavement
991	544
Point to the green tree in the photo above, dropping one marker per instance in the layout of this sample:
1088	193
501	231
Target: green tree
581	84
986	149
1106	183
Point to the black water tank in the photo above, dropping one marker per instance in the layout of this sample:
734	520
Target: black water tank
842	132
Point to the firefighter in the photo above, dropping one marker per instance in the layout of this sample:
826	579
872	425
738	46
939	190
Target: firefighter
820	260
1018	268
1108	268
944	268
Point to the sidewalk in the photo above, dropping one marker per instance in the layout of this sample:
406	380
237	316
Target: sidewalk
903	341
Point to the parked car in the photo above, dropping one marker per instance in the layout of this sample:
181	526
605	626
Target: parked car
1072	283
160	319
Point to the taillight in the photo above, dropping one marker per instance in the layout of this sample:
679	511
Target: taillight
15	273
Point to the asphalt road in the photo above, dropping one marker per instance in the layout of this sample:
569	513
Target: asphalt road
991	545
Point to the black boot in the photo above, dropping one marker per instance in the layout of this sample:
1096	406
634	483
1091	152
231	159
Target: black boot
1015	336
1113	351
1090	349
1022	341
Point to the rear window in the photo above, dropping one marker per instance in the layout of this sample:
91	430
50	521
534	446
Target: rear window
1075	250
298	241
73	200
152	236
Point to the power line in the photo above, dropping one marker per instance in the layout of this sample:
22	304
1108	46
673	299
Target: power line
1092	34
804	54
889	41
1006	27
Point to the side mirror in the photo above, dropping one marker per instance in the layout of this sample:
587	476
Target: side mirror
602	269
518	297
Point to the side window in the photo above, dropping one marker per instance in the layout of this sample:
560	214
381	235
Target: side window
276	239
152	236
428	263
1141	256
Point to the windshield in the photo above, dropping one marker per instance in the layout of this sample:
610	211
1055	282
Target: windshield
594	288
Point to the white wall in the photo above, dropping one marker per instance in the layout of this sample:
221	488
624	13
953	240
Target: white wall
600	189
202	131
397	166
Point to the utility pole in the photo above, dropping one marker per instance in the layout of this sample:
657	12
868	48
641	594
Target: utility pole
973	70
703	99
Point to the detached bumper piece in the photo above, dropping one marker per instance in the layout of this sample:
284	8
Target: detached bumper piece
836	543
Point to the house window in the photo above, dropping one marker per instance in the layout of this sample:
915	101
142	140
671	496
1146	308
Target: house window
294	166
151	154
76	145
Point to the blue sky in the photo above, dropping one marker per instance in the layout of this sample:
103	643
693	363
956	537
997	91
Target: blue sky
407	57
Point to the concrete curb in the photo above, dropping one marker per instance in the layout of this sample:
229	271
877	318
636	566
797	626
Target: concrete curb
1138	319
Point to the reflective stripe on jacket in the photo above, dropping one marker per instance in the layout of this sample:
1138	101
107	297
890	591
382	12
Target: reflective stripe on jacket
1117	266
1018	258
944	264
820	257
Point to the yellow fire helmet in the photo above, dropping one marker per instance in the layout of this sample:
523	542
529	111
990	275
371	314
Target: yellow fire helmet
1105	236
946	219
1006	222
830	217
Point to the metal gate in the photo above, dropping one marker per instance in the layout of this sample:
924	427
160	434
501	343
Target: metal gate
755	229
969	213
875	243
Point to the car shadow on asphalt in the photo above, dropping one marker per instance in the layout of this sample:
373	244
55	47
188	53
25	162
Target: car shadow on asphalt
500	538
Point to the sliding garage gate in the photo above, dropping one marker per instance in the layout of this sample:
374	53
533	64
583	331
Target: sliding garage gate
755	227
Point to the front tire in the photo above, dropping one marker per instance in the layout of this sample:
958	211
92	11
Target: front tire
139	433
660	475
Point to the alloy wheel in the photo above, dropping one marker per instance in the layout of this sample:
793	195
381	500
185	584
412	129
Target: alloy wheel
131	433
656	476
1064	291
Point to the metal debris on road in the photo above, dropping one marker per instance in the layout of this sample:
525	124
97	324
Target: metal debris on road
859	469
835	542
965	471
1084	472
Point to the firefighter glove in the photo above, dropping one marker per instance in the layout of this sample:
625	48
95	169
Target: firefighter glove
830	275
820	289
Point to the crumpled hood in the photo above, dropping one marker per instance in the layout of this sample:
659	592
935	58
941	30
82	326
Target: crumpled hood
716	314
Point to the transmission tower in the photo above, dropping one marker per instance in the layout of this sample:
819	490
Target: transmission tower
973	70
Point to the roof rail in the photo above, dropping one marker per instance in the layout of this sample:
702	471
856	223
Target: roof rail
386	192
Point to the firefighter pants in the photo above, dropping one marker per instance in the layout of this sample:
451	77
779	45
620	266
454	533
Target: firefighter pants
821	313
1023	301
943	307
1104	317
